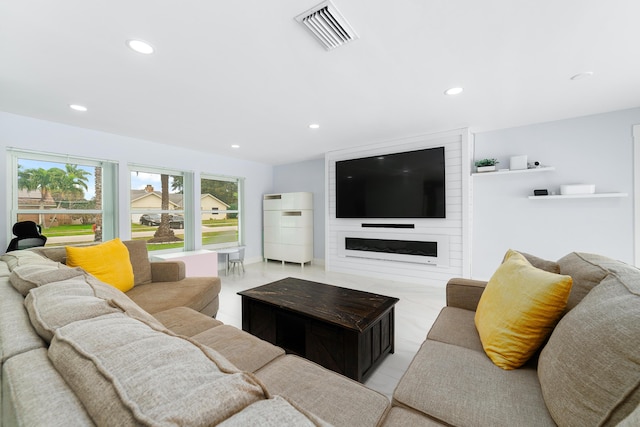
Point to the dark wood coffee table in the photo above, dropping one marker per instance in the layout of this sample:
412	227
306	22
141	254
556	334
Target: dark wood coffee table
344	330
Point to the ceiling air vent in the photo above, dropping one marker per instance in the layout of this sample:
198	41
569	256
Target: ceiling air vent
328	25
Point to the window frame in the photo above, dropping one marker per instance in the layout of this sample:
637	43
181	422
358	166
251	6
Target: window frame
109	189
239	211
187	203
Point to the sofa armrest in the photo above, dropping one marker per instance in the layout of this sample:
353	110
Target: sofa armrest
167	271
464	293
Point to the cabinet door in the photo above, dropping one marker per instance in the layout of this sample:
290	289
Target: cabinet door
272	235
272	218
297	201
297	218
272	202
296	236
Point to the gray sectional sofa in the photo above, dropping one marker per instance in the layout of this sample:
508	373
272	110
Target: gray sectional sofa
75	351
587	374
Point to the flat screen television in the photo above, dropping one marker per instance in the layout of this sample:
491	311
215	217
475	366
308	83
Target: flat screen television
400	185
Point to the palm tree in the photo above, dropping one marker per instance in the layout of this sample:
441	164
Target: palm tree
164	233
45	180
70	185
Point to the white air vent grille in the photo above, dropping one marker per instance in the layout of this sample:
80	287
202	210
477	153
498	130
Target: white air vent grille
328	25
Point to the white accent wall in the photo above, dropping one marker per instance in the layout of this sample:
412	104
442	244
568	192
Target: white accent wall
454	228
38	135
594	149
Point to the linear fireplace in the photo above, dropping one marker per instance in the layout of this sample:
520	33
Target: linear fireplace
416	248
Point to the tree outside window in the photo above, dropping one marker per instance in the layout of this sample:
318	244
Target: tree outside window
63	197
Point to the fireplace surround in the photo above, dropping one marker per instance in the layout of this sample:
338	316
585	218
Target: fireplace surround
404	247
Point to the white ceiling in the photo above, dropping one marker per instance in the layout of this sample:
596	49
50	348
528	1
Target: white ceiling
245	72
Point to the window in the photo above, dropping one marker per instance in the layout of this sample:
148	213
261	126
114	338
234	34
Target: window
158	207
221	211
65	195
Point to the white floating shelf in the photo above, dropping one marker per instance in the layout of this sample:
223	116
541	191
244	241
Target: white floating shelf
580	196
509	171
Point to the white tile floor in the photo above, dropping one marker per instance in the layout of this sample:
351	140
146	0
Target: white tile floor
416	311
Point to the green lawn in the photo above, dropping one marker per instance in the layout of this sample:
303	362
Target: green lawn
208	238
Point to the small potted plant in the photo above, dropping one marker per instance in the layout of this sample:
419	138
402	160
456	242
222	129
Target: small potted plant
486	165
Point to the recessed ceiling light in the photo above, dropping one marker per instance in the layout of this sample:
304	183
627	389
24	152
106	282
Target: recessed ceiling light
453	91
581	76
78	107
235	146
140	46
314	126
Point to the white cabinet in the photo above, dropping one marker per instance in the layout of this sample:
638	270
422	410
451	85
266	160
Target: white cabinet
288	227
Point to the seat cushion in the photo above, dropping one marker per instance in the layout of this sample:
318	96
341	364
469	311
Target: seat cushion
246	352
192	292
334	398
399	416
186	321
459	386
590	368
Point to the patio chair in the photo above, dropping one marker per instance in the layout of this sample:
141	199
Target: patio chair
236	259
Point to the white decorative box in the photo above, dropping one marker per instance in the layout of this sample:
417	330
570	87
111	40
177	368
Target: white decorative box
577	189
518	162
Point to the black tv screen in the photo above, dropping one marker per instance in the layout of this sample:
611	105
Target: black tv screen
400	185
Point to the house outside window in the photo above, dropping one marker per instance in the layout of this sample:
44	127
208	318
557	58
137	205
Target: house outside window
221	211
157	207
70	198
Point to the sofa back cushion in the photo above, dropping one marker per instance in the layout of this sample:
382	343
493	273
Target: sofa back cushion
15	259
590	369
57	304
125	373
587	272
139	257
27	277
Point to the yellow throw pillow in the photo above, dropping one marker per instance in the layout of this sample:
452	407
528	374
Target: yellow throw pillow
108	262
519	309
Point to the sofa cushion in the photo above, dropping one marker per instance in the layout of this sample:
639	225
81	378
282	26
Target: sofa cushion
247	352
25	257
16	333
107	261
126	373
590	368
541	263
275	412
193	292
462	387
186	321
586	271
332	397
456	326
403	417
59	303
139	257
27	277
34	394
518	310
